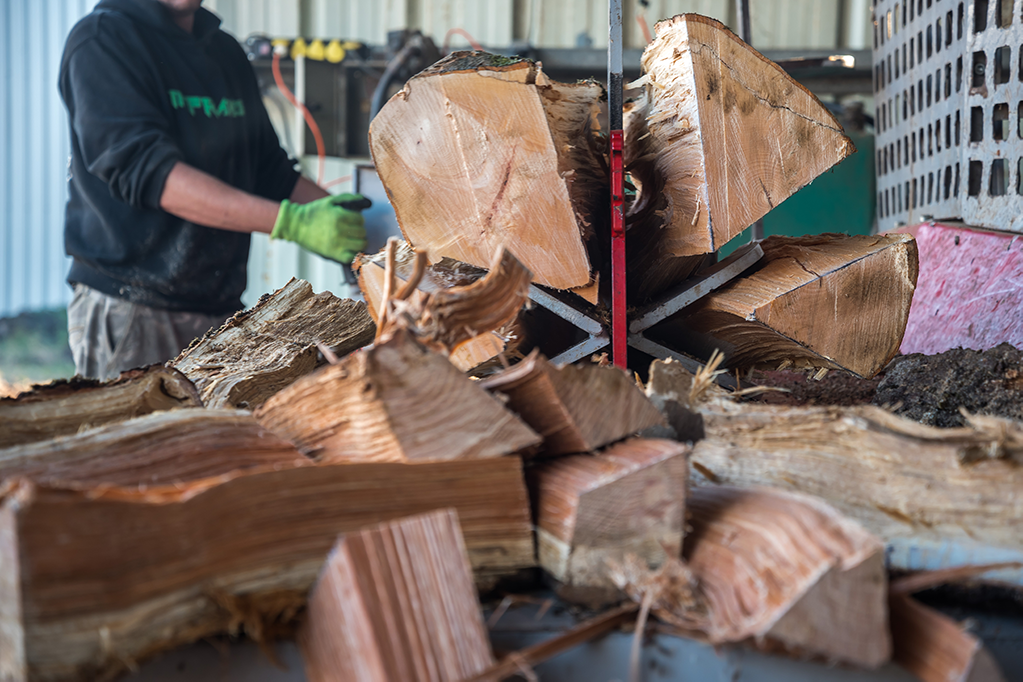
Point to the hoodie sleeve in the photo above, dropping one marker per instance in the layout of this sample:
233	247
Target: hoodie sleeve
121	128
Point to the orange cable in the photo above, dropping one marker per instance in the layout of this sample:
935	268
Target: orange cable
461	32
321	150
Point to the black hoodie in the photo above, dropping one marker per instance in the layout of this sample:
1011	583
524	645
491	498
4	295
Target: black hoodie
143	94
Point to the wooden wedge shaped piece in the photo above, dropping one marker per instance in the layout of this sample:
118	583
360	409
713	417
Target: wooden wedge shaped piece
396	603
93	580
832	301
67	407
629	499
480	151
788	569
260	351
159	448
935	648
720	136
575	408
443	275
394	402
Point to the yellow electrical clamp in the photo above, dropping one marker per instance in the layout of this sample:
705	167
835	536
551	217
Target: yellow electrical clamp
334	52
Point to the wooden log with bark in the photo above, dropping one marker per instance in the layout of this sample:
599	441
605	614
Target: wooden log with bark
443	275
480	151
67	407
93	580
829	301
719	137
259	351
575	408
629	499
159	448
396	603
905	482
935	648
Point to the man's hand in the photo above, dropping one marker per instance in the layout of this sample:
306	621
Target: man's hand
331	227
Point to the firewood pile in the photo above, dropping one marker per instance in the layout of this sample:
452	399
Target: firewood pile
355	475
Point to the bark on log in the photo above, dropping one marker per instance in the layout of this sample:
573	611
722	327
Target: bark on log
160	448
590	509
396	603
935	648
134	573
443	275
826	301
481	151
788	569
260	351
394	402
575	408
903	481
720	136
67	407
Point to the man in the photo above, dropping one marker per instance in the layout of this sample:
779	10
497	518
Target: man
174	163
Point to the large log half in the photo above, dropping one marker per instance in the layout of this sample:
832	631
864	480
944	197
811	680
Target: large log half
93	580
396	603
480	151
67	407
830	301
260	351
719	137
159	448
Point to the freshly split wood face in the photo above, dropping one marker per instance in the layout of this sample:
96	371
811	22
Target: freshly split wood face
67	407
575	408
160	448
394	402
720	136
93	580
831	301
480	151
789	569
396	603
260	351
592	509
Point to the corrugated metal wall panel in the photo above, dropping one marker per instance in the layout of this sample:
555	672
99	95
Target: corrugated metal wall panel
242	17
33	165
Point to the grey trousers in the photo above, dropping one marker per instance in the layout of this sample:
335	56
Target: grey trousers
109	335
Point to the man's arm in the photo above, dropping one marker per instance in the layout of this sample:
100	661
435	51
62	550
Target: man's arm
200	198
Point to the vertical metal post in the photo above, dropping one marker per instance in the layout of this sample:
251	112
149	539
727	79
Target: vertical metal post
619	340
742	22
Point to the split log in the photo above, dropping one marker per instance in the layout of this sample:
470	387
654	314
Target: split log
260	351
827	301
935	648
788	570
480	151
396	603
719	137
443	275
575	408
160	448
906	482
67	407
135	573
591	509
394	402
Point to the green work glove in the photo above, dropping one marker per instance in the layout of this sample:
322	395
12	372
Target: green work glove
331	227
